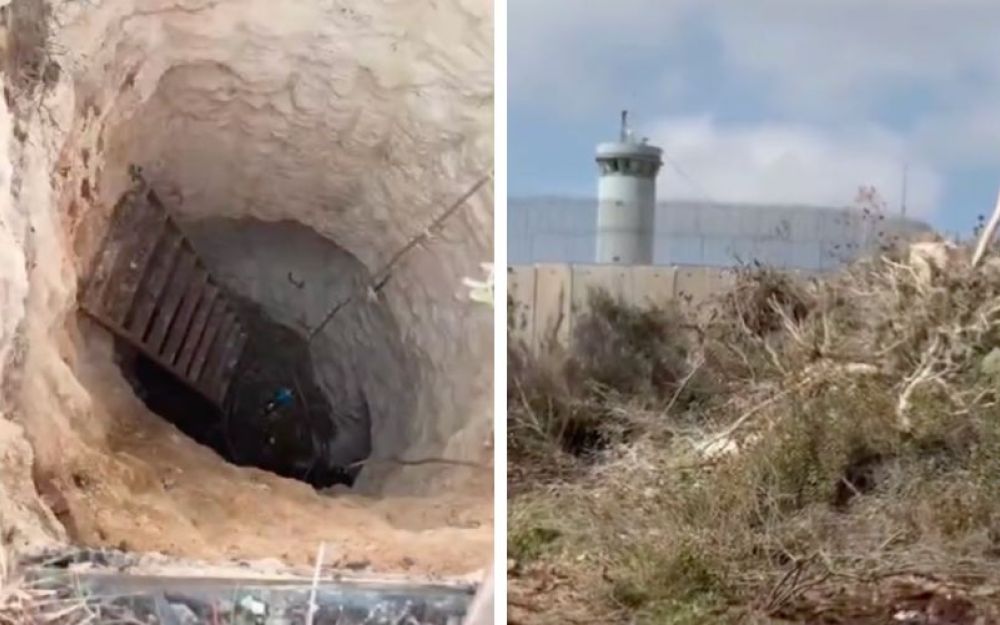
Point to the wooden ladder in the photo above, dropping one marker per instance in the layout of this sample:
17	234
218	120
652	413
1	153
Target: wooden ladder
149	288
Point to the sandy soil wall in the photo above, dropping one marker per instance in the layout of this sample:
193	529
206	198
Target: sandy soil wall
359	122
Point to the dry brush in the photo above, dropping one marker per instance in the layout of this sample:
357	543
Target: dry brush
810	435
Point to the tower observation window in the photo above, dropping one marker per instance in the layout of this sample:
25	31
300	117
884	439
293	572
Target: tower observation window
627	166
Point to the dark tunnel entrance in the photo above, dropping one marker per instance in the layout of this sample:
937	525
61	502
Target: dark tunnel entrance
252	429
214	360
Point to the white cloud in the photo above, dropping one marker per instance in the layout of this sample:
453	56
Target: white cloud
578	48
831	66
837	55
784	163
827	54
970	136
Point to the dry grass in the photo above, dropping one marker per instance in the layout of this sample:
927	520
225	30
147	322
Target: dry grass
27	602
573	407
865	411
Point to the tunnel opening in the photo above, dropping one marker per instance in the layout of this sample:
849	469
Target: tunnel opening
239	347
217	364
252	427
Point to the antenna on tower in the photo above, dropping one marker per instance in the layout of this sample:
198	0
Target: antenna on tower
624	133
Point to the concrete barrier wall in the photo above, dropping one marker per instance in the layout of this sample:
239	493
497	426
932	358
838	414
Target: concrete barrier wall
546	299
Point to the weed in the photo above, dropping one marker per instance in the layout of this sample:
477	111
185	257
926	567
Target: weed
530	543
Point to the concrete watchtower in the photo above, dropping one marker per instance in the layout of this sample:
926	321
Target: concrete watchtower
626	195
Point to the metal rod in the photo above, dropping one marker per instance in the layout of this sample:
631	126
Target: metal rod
987	235
382	275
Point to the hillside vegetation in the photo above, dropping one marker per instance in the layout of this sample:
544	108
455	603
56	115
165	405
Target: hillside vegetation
811	451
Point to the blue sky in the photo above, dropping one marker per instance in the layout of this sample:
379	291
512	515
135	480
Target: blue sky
765	100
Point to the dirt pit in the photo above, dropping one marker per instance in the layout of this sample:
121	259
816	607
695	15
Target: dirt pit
300	148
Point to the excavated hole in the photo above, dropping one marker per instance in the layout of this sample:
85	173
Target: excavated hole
299	149
292	210
280	277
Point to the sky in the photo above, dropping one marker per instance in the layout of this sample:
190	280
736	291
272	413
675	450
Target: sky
786	101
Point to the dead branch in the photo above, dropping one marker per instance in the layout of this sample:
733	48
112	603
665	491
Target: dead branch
922	374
